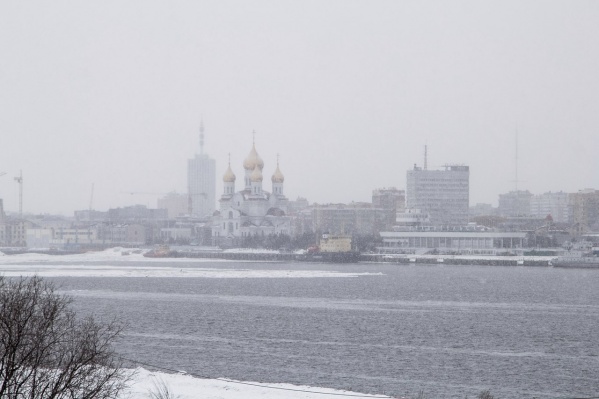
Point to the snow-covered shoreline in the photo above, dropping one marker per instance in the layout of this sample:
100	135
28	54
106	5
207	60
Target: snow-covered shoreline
184	386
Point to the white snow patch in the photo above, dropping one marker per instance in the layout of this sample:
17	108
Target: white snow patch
184	386
251	250
112	255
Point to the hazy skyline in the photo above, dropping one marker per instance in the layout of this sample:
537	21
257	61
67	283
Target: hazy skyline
347	92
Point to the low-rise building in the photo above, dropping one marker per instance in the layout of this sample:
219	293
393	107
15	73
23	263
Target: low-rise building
176	205
355	218
457	241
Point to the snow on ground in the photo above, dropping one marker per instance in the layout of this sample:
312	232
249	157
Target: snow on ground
184	386
251	250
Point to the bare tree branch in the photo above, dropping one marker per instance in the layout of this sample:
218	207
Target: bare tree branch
47	352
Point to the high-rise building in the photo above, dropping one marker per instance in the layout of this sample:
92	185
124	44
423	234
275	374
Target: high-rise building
392	200
442	194
515	203
585	211
550	204
201	182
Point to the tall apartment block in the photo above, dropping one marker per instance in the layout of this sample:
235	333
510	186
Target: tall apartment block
585	211
443	194
551	204
201	182
515	203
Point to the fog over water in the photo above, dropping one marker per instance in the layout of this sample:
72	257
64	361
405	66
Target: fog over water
347	92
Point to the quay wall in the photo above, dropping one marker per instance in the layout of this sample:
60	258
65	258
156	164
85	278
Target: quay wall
378	258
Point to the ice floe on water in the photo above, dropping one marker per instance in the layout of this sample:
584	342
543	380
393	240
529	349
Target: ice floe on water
184	386
108	255
101	264
162	272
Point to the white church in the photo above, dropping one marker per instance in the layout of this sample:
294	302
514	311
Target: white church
251	211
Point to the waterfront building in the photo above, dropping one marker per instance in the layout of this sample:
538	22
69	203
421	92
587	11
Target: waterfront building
101	235
442	194
252	210
459	241
201	182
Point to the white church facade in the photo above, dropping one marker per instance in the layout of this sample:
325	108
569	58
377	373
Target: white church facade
252	210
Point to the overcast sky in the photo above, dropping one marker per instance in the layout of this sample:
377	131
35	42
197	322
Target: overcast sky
111	93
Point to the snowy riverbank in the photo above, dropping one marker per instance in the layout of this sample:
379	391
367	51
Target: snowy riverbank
184	386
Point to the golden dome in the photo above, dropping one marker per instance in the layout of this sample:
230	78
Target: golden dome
229	176
253	160
277	177
256	174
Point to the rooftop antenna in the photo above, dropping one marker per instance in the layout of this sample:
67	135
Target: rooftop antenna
425	157
202	136
253	137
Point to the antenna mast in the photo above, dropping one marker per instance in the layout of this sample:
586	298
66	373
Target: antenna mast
91	201
425	157
19	179
201	137
516	162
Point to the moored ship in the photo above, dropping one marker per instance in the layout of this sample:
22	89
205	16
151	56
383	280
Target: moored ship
161	251
335	249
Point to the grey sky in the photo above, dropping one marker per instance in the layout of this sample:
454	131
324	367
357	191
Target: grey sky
347	92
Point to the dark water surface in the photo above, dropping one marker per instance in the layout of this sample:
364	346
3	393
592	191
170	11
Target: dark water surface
449	331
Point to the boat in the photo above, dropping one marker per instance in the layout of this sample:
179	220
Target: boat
332	249
161	251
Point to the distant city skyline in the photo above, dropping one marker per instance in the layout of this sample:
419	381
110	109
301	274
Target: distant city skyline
347	92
